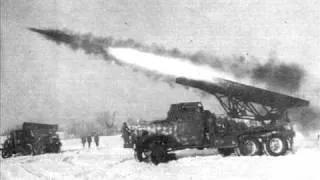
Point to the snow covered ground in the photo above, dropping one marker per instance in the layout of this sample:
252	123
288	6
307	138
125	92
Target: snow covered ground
111	161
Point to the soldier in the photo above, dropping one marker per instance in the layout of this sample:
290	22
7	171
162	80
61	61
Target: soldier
96	139
89	139
125	134
83	140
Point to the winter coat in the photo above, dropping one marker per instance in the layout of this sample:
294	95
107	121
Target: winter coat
89	139
96	138
83	139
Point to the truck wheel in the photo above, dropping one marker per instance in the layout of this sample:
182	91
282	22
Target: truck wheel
225	151
7	150
276	145
249	146
6	153
158	154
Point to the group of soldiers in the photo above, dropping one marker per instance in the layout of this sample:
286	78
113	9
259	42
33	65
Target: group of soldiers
88	139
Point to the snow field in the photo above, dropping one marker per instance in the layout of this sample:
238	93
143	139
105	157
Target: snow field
111	161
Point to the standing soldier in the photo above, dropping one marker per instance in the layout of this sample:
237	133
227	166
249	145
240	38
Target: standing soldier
96	139
83	140
125	135
89	139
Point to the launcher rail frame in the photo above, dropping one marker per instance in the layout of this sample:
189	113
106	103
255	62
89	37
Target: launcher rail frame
246	102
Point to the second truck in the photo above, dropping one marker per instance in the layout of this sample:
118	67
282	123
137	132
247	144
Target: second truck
33	138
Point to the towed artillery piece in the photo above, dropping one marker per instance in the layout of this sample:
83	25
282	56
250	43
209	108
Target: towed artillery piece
33	138
256	123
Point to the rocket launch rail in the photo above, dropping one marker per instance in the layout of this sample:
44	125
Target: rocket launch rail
243	101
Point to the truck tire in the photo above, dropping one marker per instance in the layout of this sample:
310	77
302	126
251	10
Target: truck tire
158	153
249	146
7	150
6	153
225	151
276	145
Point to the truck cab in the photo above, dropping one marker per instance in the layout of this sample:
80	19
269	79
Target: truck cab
188	119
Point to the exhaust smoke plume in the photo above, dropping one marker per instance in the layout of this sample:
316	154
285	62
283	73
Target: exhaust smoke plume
307	120
276	76
165	65
159	63
283	76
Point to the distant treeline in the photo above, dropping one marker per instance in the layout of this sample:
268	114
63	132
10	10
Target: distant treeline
104	124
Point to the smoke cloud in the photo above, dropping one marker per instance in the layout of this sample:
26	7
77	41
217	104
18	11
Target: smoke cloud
281	76
276	75
307	120
158	63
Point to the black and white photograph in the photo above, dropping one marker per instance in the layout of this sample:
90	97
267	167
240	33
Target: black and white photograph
160	90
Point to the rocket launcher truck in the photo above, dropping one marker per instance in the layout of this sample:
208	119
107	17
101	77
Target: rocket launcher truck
256	123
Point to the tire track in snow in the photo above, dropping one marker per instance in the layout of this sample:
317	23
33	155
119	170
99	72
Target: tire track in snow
86	172
121	161
34	173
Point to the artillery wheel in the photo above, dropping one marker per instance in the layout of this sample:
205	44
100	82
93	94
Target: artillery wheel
276	145
226	151
249	146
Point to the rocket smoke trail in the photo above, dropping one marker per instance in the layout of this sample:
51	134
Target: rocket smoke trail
276	76
160	63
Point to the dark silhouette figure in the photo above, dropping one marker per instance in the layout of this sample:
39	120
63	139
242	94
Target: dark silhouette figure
89	139
83	140
96	139
125	135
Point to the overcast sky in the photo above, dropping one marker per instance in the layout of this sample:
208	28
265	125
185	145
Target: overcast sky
41	81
